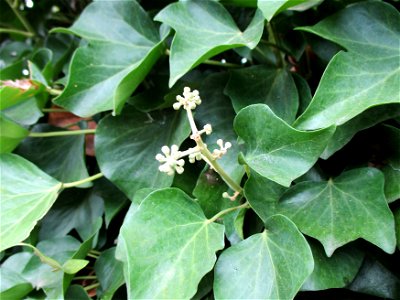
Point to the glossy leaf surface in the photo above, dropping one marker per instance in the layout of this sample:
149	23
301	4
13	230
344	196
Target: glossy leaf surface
204	29
268	265
126	143
271	8
274	149
365	76
27	193
177	246
343	209
11	134
105	73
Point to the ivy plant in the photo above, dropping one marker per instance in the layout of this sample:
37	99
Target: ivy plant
200	149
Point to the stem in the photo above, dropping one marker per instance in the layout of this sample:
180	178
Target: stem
54	92
213	62
79	182
95	252
228	210
16	31
210	159
21	18
50	110
91	287
85	277
92	256
62	133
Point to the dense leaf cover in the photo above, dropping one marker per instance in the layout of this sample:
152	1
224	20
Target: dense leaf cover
294	177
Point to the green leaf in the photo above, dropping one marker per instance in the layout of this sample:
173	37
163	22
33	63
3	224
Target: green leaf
397	221
74	209
268	265
392	186
367	119
264	84
333	272
11	134
27	194
76	292
109	272
61	157
263	195
365	76
274	149
14	92
176	249
25	113
204	29
126	147
271	8
13	285
72	266
105	73
375	279
342	210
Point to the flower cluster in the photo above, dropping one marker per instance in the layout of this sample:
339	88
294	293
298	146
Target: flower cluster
171	158
189	100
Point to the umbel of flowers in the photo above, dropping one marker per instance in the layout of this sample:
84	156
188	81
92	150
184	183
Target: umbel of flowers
171	158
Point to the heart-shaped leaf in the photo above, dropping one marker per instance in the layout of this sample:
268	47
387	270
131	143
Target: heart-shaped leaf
126	143
274	149
204	29
27	193
268	265
264	84
365	76
342	210
105	73
168	245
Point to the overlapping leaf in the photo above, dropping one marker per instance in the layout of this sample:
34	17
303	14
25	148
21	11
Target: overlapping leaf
126	147
343	209
204	29
365	76
264	84
271	8
176	249
27	193
118	57
11	134
268	265
274	149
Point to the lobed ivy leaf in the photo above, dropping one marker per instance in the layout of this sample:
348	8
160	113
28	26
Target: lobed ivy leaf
204	29
274	149
264	84
176	249
126	147
11	134
365	76
27	193
268	265
342	210
104	73
336	271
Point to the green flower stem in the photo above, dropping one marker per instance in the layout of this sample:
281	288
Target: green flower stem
92	286
43	258
228	210
95	252
213	62
92	277
21	18
16	31
92	255
62	133
79	182
209	158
